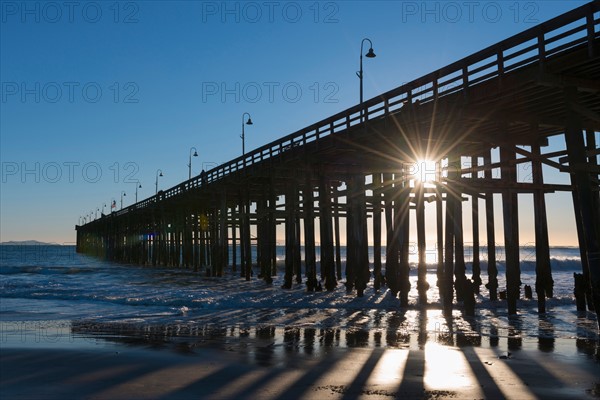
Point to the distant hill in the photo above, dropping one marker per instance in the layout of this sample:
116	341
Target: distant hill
27	243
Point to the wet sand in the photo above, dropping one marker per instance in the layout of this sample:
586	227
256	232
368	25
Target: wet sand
300	364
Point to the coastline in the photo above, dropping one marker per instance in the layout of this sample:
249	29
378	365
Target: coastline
296	362
424	369
156	333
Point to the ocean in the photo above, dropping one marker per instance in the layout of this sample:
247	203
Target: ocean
54	296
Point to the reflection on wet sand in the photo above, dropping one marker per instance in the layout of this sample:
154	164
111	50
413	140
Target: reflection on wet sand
545	333
399	354
412	329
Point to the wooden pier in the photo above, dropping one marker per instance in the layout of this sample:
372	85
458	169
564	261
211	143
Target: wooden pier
478	119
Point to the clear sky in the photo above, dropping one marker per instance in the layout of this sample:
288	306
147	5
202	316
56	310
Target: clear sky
97	95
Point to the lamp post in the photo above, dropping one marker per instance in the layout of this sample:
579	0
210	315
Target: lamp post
122	195
370	54
190	163
243	135
138	185
158	173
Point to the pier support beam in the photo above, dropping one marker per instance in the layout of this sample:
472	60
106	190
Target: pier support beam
543	273
298	247
290	235
336	232
378	277
422	285
273	229
510	210
391	257
439	216
402	209
223	239
492	269
196	229
451	200
310	259
357	242
215	263
351	235
245	236
234	240
326	231
263	238
460	282
592	147
476	276
584	198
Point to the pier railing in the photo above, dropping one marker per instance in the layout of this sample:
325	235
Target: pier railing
578	27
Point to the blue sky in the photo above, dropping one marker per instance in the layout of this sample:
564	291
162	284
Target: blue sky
97	95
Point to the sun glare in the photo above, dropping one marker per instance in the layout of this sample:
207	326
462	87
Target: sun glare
425	171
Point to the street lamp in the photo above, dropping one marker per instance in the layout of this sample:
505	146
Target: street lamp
243	135
138	185
190	163
158	173
370	54
122	194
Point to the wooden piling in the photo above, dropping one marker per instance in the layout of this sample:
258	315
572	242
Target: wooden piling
351	234
447	293
223	238
391	262
492	269
290	235
360	234
543	272
510	211
246	236
263	239
338	244
439	216
476	265
273	228
459	244
326	233
234	238
309	236
402	210
377	276
422	285
297	248
592	148
585	196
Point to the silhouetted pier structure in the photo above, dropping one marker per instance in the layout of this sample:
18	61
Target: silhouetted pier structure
511	96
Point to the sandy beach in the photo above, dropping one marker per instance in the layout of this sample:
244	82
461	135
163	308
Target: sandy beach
297	366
